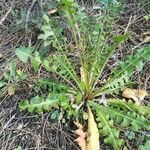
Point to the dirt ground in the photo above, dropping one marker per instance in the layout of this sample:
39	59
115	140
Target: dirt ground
36	132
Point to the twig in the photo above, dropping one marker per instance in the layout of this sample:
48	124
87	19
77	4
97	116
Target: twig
137	46
5	16
146	82
129	22
28	14
7	123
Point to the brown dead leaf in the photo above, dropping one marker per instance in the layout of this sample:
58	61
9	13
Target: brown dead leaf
30	85
1	55
81	133
137	95
93	133
78	125
72	98
88	141
146	33
52	11
81	140
146	39
11	90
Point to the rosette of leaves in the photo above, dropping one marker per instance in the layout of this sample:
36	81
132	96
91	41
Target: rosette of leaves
80	63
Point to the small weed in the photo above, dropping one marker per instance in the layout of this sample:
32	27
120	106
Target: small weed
11	79
147	17
81	48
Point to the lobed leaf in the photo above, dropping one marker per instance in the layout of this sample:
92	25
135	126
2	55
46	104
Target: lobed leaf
63	67
120	75
102	58
132	61
130	106
107	127
53	85
121	115
38	104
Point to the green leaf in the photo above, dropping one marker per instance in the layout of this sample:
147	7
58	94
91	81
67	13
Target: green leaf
101	59
106	2
55	115
146	146
38	104
131	106
121	38
115	86
120	75
46	35
64	68
106	127
2	84
24	53
53	85
36	61
12	69
21	74
139	66
147	53
130	118
46	18
131	62
79	97
110	116
19	148
130	134
147	17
